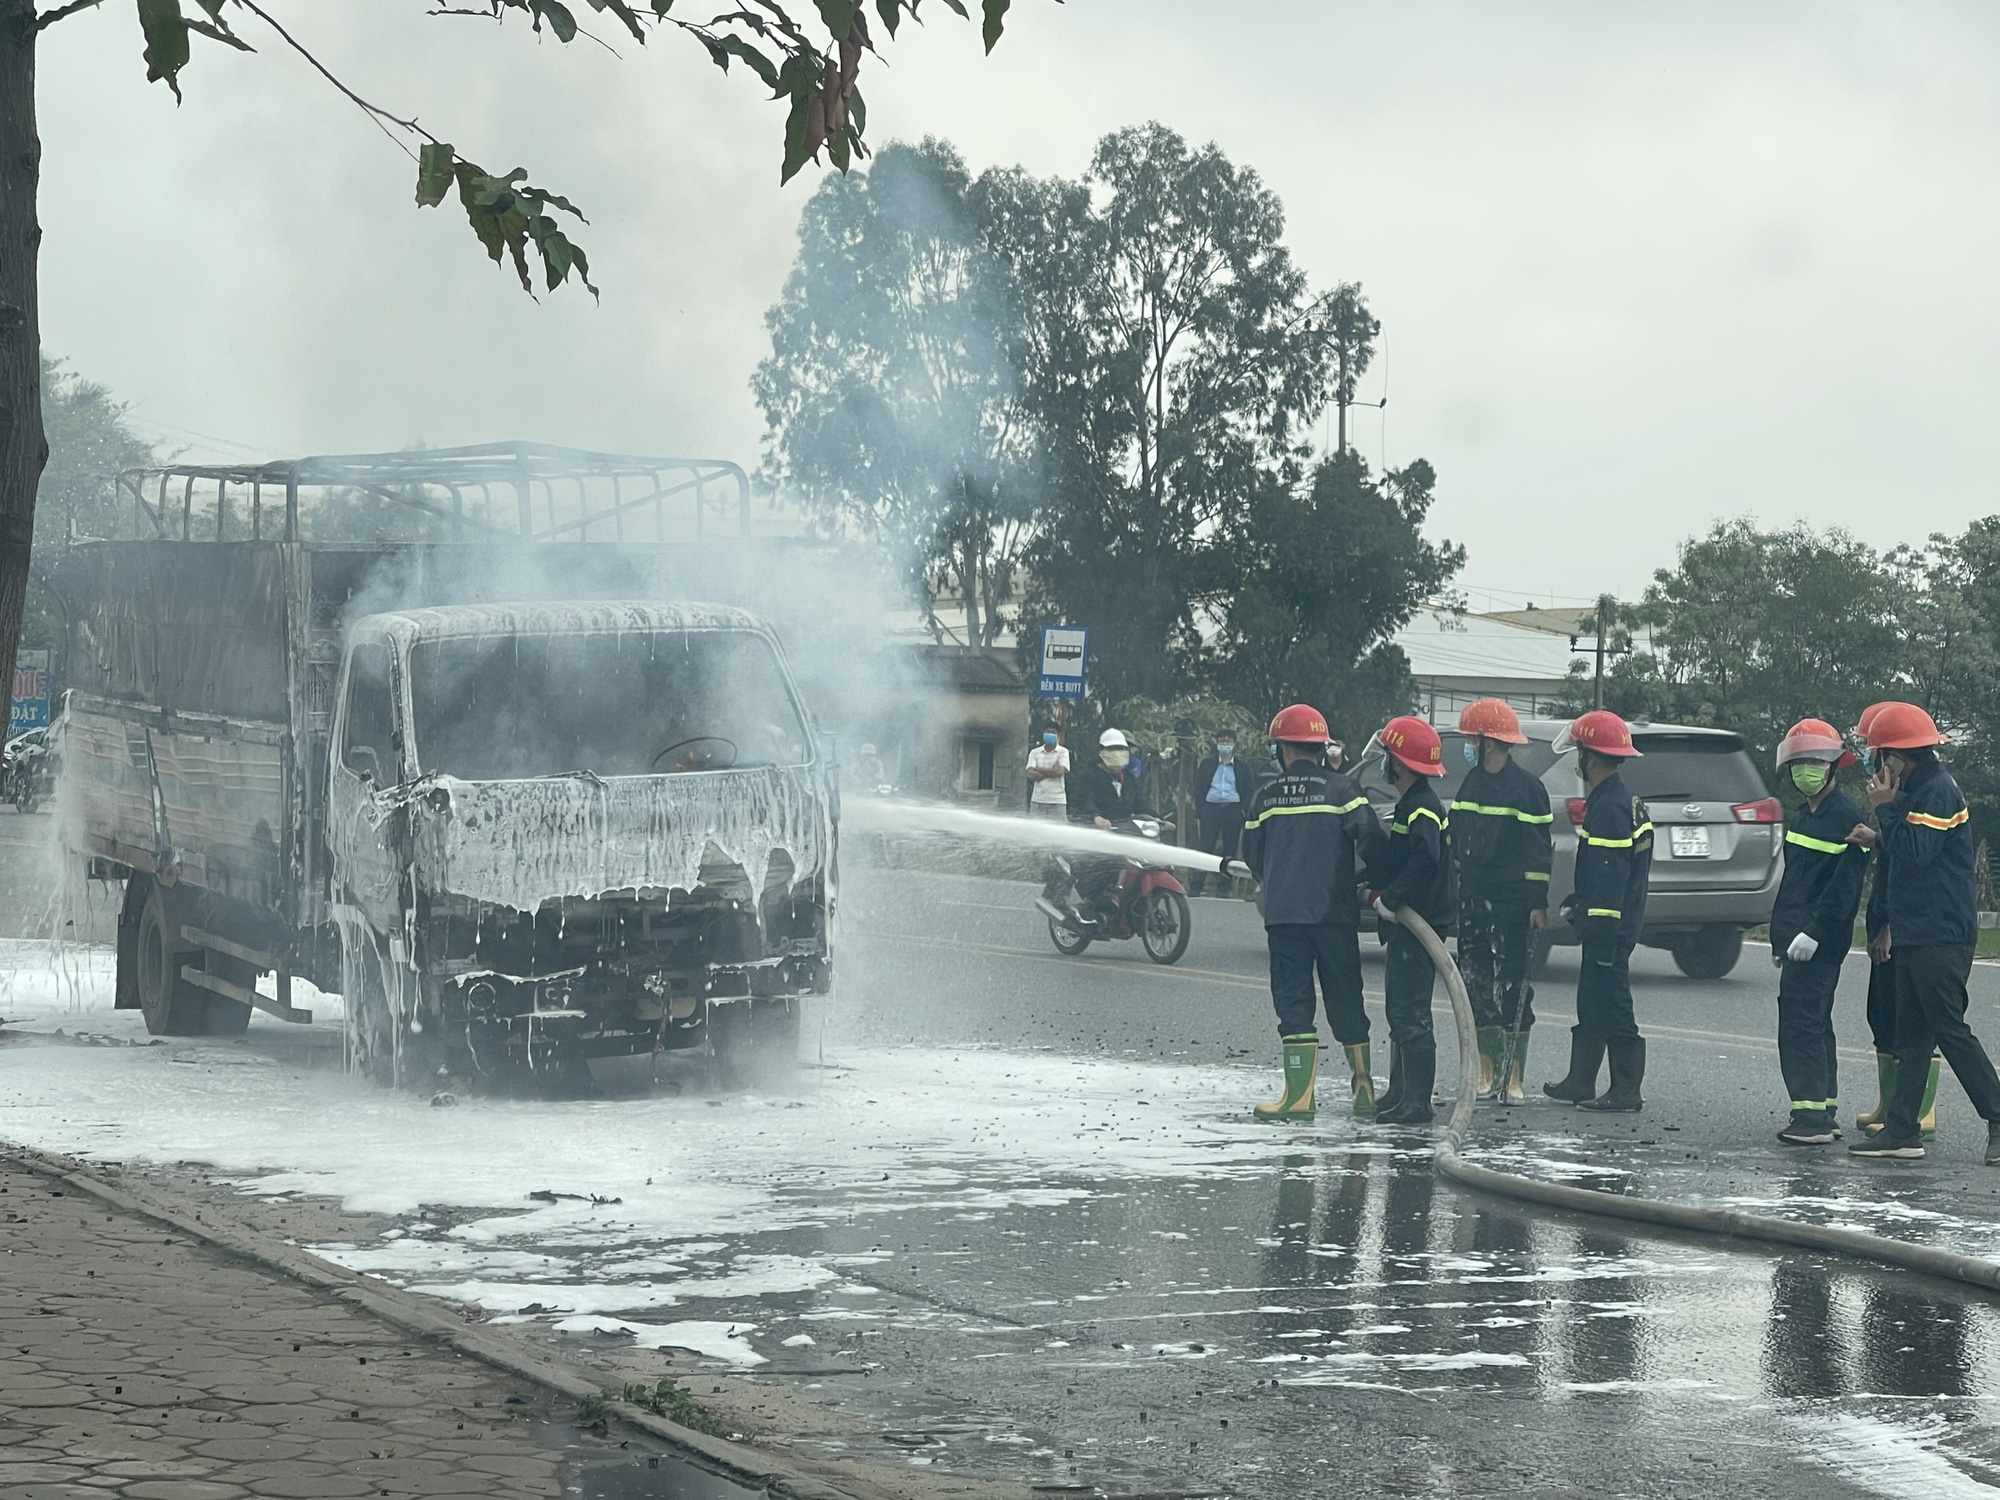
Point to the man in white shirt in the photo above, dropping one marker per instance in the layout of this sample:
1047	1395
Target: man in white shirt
1222	791
1048	770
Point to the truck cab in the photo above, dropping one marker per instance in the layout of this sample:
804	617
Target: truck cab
566	831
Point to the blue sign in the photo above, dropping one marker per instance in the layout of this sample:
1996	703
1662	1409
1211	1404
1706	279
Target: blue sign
29	707
1065	652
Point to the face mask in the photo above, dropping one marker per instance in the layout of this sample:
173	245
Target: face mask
1809	777
1049	739
1113	758
1471	753
1225	751
1388	774
1581	774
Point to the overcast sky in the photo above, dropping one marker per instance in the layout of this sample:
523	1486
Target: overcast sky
1638	266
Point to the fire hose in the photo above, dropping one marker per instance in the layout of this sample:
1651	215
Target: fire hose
1651	1211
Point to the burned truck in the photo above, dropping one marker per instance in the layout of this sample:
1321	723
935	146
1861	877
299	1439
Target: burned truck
516	802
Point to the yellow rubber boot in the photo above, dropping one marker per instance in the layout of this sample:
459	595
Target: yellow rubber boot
1510	1090
1361	1065
1301	1072
1927	1111
1885	1081
1491	1040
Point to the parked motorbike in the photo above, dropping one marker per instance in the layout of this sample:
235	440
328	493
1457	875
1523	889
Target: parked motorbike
29	769
1148	902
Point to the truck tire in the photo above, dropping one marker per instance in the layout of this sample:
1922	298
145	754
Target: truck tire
171	1006
755	1043
1710	953
227	1017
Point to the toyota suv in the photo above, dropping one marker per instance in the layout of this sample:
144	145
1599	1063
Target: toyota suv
1718	834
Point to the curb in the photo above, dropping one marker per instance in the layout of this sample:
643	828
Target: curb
1948	1265
432	1321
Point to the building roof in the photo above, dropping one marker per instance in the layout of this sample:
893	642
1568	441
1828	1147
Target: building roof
1442	643
961	669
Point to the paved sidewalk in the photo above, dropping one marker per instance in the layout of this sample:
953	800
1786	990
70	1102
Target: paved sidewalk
135	1362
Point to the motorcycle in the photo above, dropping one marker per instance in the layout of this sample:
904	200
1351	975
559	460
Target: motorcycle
1149	903
29	769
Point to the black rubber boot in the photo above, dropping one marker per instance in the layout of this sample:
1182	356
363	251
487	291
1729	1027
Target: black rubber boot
1419	1073
1586	1056
1392	1096
1628	1071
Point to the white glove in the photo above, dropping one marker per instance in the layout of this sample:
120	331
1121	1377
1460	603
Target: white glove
1382	911
1802	949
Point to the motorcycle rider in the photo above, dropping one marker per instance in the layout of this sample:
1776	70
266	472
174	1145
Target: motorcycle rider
1308	831
1412	869
1103	795
1501	841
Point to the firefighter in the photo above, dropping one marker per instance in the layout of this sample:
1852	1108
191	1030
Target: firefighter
1501	831
1882	984
1413	870
1308	831
1812	924
1614	855
1933	926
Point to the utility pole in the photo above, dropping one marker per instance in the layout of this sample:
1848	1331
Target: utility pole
1606	611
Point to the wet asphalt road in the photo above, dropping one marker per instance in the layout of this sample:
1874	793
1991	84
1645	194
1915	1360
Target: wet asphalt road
1342	1320
1314	1314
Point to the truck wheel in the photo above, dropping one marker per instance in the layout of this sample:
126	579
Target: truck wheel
1710	953
171	1005
227	1017
755	1043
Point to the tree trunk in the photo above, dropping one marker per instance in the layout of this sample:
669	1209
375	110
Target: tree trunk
23	448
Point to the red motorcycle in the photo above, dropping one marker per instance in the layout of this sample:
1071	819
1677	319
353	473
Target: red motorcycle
1148	902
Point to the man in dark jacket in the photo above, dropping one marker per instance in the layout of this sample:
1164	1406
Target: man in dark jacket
1308	832
1501	841
1103	796
1412	870
1223	787
1933	926
1812	924
1614	857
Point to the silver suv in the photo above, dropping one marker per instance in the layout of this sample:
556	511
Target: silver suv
1718	834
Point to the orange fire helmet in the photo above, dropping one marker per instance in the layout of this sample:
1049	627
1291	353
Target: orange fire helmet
1414	743
1600	730
1492	719
1814	739
1903	726
1301	724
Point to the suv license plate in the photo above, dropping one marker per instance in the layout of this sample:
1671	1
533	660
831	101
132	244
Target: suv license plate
1689	843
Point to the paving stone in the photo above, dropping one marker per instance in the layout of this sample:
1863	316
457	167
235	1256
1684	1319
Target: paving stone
313	1487
182	1489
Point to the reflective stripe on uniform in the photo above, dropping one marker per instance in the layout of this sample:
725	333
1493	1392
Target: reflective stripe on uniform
1538	874
1421	812
1311	807
1927	820
1823	846
1585	836
1503	812
1604	911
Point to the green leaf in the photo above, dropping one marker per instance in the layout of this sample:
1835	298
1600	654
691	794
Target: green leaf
838	16
996	17
166	32
221	34
721	49
561	22
891	12
958	9
624	13
434	174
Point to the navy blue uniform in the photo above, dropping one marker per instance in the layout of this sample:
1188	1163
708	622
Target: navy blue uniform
1614	857
1819	896
1414	870
1502	845
1308	832
1933	929
1882	976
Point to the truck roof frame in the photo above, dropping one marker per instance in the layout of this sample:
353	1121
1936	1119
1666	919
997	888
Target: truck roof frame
549	494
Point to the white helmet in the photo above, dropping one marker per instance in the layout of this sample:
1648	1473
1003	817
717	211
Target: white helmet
1113	739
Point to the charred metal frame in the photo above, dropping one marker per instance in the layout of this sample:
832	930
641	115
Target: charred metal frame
544	494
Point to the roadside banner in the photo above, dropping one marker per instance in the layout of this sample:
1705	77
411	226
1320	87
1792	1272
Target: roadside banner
1065	654
29	707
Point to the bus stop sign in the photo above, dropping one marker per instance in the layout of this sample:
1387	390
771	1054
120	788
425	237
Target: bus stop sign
1065	651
